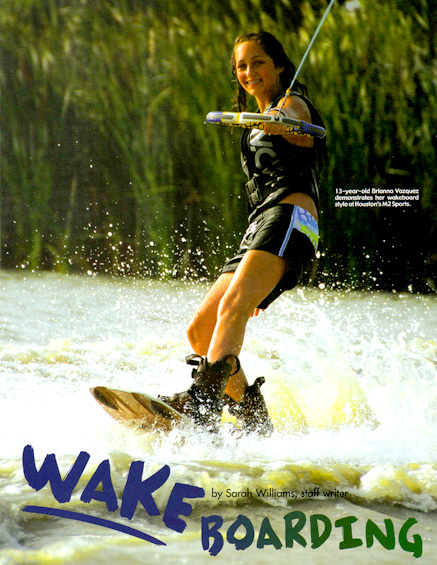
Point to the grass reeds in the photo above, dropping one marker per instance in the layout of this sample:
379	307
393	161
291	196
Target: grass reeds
107	162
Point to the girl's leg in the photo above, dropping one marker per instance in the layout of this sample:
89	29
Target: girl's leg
202	325
218	326
257	275
218	329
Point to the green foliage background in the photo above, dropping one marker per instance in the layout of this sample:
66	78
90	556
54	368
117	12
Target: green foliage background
107	164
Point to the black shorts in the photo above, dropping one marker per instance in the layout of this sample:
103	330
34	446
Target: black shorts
284	230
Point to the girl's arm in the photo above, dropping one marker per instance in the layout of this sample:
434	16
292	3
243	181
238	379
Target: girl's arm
296	108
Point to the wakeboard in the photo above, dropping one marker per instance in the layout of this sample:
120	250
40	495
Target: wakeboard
138	410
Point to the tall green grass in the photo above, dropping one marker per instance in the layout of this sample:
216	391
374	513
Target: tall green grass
107	163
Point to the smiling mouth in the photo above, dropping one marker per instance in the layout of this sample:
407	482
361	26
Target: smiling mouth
253	82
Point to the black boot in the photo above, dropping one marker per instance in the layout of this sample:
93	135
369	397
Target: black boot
252	412
203	402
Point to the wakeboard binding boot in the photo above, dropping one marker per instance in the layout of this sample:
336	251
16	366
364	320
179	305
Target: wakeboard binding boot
204	400
252	412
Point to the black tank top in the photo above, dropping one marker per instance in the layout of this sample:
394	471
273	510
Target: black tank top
278	168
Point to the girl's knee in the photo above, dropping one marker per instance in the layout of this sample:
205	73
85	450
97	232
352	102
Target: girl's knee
235	304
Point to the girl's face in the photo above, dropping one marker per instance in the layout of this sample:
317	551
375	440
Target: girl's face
257	73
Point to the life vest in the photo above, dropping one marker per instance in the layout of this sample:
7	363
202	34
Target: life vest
276	168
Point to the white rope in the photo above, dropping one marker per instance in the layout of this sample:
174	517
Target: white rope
319	27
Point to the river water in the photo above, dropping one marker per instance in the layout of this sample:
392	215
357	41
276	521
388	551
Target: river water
350	384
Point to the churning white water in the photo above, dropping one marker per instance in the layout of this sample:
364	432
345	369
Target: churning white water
350	385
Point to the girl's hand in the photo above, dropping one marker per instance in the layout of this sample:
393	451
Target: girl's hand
273	128
294	107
